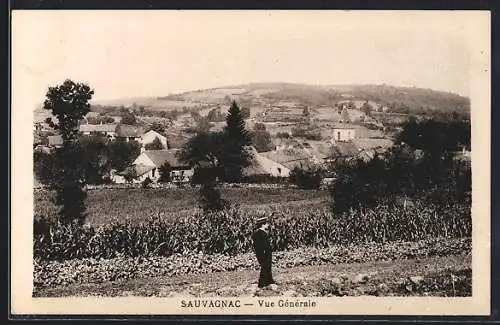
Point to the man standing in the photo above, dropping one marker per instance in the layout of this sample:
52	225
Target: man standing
262	246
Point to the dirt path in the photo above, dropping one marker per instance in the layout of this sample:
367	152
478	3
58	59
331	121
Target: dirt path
438	276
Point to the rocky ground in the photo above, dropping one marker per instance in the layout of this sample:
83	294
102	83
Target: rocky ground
396	269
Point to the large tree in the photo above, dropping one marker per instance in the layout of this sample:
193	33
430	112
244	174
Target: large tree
122	153
436	137
236	155
68	103
155	145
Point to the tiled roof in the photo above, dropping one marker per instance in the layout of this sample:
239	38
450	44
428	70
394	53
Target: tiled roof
344	149
98	127
124	130
159	157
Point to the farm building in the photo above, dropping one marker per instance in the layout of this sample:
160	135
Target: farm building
343	134
128	132
372	143
99	129
342	151
55	141
261	165
149	162
149	137
290	158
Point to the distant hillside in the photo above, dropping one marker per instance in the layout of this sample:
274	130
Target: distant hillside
259	95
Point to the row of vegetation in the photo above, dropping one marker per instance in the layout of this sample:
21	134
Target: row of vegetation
229	231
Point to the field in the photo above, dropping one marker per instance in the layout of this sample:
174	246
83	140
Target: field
136	205
155	242
439	267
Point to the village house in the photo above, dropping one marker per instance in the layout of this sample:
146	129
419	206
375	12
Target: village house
290	158
342	151
147	165
343	134
150	136
261	165
108	130
128	132
55	141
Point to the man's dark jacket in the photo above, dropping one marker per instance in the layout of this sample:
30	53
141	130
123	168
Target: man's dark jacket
262	246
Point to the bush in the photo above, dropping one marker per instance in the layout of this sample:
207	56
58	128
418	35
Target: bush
283	135
306	178
210	199
146	183
165	171
361	183
264	179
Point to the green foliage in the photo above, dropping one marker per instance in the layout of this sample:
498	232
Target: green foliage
259	127
229	231
215	115
436	137
203	125
307	132
261	140
101	119
283	135
204	147
157	127
68	103
399	172
95	159
235	126
210	198
306	178
146	183
225	151
43	166
130	174
155	145
122	153
128	118
245	112
366	108
235	156
165	171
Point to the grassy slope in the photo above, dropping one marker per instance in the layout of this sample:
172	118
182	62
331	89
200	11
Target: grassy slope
441	276
137	204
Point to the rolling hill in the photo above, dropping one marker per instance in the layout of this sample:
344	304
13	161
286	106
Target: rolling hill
411	100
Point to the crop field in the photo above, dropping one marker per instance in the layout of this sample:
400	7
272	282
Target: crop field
138	237
136	205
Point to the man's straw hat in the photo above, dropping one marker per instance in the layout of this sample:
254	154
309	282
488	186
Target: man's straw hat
261	220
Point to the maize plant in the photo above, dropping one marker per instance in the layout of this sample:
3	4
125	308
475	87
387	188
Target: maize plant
229	232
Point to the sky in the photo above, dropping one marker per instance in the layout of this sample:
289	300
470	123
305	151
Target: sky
155	53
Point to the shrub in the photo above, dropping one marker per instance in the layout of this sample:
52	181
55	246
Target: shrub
146	183
399	172
210	198
264	179
306	178
283	135
165	171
